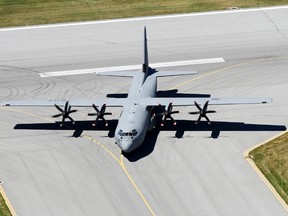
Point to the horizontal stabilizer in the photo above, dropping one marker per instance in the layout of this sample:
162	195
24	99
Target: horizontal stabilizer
173	73
118	73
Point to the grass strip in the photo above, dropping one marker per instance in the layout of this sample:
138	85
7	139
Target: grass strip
4	210
272	160
31	12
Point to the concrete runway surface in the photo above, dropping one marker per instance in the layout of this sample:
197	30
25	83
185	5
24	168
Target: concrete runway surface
49	172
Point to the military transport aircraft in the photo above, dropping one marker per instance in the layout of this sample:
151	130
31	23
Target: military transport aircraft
140	106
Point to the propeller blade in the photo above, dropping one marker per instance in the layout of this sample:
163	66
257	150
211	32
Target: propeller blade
57	107
72	111
194	113
173	120
92	114
208	120
106	123
95	108
211	111
95	122
197	105
205	106
63	121
174	112
71	119
107	113
67	107
57	115
169	109
103	108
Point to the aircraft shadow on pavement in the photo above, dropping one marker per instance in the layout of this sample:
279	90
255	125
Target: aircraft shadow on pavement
150	140
78	127
163	93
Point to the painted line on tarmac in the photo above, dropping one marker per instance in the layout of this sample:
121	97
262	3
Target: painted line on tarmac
119	161
145	18
132	67
11	209
135	186
260	174
246	153
228	67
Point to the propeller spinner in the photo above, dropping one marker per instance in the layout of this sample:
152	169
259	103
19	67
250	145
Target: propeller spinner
64	113
202	112
100	114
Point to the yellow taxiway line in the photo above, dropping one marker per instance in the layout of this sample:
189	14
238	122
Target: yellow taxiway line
229	67
246	153
122	165
120	161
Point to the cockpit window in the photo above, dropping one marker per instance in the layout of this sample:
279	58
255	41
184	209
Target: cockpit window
130	134
134	132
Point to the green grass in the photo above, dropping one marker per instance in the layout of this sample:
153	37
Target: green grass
272	160
4	211
30	12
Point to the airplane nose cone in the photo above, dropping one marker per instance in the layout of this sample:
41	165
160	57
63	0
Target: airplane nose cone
126	146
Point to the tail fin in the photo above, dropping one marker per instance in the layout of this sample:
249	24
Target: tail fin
145	65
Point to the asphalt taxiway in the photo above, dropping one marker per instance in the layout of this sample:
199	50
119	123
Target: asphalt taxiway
50	172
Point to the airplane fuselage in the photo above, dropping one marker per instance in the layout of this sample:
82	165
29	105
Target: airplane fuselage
135	119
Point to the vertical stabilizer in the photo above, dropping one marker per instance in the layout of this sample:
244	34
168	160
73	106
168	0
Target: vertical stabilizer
145	66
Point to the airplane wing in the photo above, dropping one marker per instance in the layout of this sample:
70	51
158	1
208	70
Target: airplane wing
110	102
201	101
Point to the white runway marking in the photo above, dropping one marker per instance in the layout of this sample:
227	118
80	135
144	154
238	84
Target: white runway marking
144	18
132	67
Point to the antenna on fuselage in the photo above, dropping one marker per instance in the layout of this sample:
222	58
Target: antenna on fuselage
145	65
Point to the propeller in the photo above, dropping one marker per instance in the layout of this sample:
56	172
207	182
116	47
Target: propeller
202	112
167	114
100	114
64	113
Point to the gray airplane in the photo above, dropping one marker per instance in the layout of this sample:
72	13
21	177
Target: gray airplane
140	106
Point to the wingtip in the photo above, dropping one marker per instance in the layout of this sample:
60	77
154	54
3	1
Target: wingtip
4	103
268	100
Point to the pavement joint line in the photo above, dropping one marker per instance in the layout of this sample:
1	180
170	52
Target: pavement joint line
228	67
260	174
11	209
145	18
119	161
